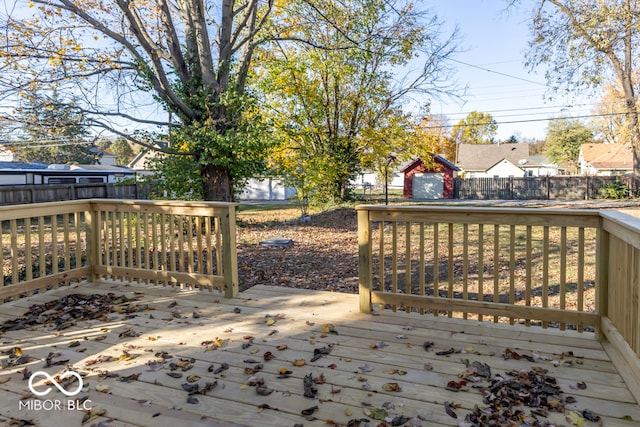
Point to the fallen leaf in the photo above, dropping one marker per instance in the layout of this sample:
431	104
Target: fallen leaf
299	362
102	388
391	387
375	413
282	347
575	419
448	407
309	411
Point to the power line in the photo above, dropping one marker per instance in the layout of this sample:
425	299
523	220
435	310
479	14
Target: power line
531	120
495	72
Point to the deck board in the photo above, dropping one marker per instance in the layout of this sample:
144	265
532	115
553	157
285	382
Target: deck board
301	315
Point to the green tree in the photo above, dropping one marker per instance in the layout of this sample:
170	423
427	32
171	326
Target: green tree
122	150
564	138
334	102
119	60
52	132
476	128
584	43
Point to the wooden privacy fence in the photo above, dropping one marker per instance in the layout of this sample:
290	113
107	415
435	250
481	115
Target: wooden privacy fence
173	243
577	269
541	188
42	193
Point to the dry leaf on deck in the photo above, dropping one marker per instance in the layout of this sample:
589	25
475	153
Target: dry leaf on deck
448	407
575	419
391	387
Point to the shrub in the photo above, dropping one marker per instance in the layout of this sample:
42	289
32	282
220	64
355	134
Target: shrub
614	190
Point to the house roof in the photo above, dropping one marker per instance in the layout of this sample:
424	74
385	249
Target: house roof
436	157
608	156
481	157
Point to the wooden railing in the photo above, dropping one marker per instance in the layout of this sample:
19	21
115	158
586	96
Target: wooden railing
571	269
173	243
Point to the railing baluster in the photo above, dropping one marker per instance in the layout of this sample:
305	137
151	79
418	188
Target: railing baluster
580	290
436	263
450	267
138	232
381	255
200	253
163	245
480	265
563	272
512	267
54	244
421	266
172	244
496	267
28	255
545	272
528	266
208	238
218	245
465	265
15	278
394	259
407	261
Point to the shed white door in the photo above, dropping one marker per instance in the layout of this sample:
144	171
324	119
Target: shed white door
428	185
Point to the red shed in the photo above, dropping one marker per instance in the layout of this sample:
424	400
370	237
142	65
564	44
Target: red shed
435	182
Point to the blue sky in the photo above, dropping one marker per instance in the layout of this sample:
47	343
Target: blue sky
494	42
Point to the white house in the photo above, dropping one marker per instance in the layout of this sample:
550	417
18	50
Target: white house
504	168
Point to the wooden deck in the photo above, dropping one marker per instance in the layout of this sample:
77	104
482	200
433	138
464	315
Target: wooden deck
365	350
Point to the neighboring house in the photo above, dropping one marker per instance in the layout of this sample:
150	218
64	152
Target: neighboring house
605	159
505	168
501	160
107	159
140	162
433	182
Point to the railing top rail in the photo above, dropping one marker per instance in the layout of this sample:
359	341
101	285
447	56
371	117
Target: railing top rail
623	226
486	215
42	209
163	203
164	206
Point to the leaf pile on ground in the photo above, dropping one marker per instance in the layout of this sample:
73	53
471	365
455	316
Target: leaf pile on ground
324	255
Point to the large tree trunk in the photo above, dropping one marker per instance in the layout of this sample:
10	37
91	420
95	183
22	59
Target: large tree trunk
217	183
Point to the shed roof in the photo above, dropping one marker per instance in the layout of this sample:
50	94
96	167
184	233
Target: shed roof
436	157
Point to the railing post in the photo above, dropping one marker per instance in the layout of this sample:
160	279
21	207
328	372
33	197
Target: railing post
229	252
93	239
602	277
364	261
